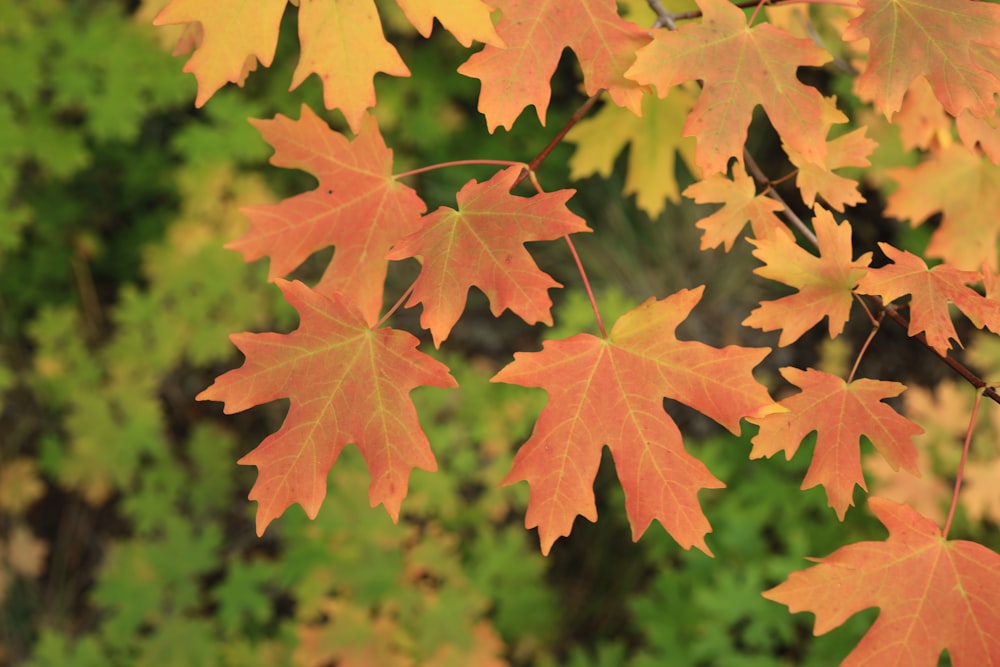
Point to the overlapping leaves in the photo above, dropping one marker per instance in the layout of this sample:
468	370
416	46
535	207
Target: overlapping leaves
349	379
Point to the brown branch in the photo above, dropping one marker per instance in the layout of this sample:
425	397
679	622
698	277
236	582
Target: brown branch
557	139
893	314
880	309
663	18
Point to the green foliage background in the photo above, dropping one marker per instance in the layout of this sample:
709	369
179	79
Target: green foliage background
125	533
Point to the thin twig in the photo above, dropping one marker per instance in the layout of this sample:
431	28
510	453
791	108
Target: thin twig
893	314
557	139
762	179
880	309
664	18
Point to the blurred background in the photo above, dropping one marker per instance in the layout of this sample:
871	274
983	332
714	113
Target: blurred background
125	534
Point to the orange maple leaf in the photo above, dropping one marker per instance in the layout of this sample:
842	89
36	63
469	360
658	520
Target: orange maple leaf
347	383
960	185
848	150
358	207
840	413
741	67
234	35
482	244
535	34
611	392
933	594
931	291
825	284
952	43
741	204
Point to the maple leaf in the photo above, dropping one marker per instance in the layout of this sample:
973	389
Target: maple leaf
933	594
952	43
741	67
931	291
654	139
466	20
960	185
741	204
825	284
358	207
981	132
482	244
343	44
535	34
921	118
840	413
611	392
347	383
848	150
233	36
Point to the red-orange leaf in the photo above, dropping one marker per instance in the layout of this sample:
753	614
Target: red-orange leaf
933	594
347	384
824	283
358	207
953	43
931	291
535	33
482	244
234	36
741	67
741	204
611	392
840	413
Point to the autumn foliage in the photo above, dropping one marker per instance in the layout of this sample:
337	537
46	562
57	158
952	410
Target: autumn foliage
928	70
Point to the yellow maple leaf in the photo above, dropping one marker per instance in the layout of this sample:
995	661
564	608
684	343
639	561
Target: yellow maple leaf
654	140
232	37
343	44
467	21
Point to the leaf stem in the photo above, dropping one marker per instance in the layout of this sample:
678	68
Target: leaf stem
961	464
763	180
756	10
460	163
586	285
864	348
557	139
396	306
